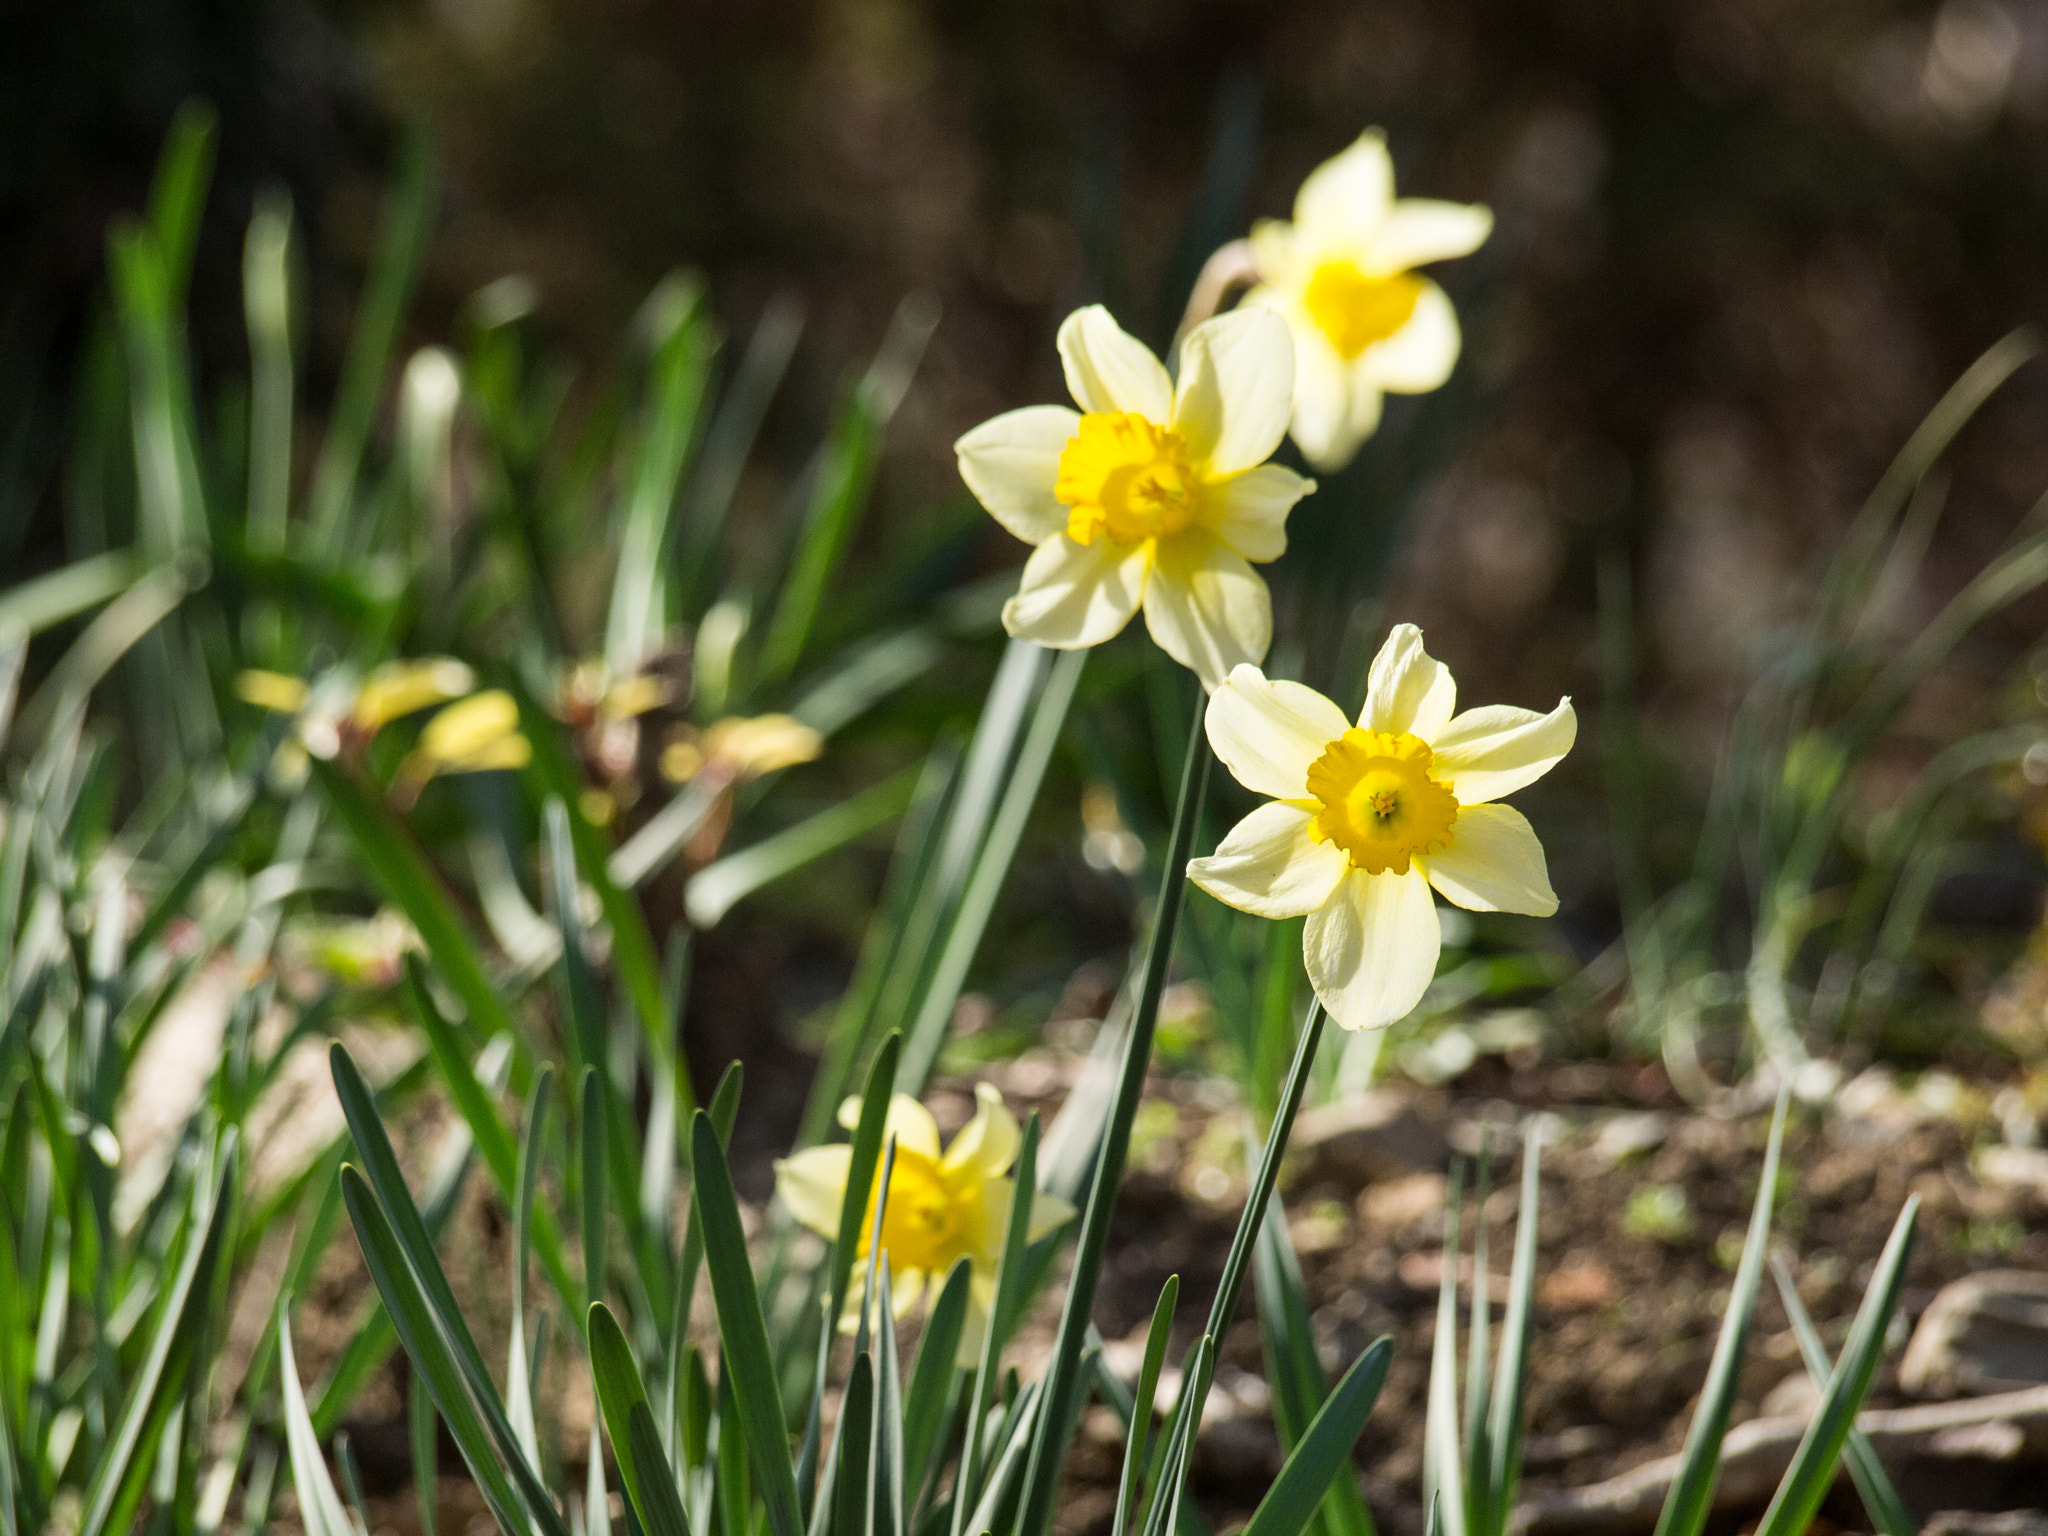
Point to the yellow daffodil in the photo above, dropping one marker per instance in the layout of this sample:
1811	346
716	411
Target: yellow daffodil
473	735
1342	276
336	711
741	748
943	1206
1156	495
1365	819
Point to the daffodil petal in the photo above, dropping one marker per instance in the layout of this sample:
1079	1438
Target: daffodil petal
1267	732
1048	1214
1236	389
1273	250
1076	595
1336	407
1248	512
1011	463
1418	357
912	1126
1371	952
1494	750
1269	866
1408	689
988	1141
904	1291
812	1184
1207	608
1494	863
1419	230
996	1195
1349	194
1108	369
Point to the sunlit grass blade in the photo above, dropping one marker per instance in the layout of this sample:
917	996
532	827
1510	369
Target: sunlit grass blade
863	1156
636	1441
320	1505
177	193
58	704
121	1473
1691	1497
855	1437
1506	1419
267	313
171	511
401	243
1325	1451
885	1495
1443	1464
713	890
991	870
32	606
749	1365
1812	1472
1887	1510
590	1169
1062	1378
518	1380
1128	1491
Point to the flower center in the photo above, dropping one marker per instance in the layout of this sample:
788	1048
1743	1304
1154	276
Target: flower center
1354	310
922	1228
1125	478
1378	802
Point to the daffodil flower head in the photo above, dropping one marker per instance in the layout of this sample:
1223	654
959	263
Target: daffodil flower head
1156	494
339	713
1365	819
743	747
943	1205
472	735
1342	276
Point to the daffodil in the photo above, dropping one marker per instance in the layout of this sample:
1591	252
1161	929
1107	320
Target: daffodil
1156	494
473	735
741	747
1343	277
943	1206
1364	819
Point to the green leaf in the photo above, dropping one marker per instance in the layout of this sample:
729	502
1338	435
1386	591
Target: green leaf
1691	1497
518	1374
1887	1510
177	193
1443	1468
1507	1418
1062	1378
1007	1303
320	1505
715	889
1141	1405
938	1364
749	1366
1812	1472
865	1153
32	606
855	1436
636	1440
1325	1451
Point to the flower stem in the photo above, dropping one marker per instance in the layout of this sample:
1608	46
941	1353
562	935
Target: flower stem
1062	1378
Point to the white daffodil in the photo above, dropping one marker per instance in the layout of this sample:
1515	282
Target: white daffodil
1366	818
1156	494
942	1206
1342	277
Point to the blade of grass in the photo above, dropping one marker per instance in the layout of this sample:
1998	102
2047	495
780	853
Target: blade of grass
636	1442
1325	1451
1128	1491
749	1366
320	1505
1691	1497
1507	1420
850	1501
1812	1473
1887	1510
931	1380
1443	1467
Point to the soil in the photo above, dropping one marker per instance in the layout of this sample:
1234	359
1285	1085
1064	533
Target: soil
1643	1207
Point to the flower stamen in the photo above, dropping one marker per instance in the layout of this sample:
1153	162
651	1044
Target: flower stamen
1377	801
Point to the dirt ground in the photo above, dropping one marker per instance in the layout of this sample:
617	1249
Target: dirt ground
1643	1209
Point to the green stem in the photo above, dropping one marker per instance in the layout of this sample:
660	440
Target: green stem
1062	1378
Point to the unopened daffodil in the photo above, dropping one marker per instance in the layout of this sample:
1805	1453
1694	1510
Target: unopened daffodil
1342	275
474	735
1364	819
740	748
338	711
943	1206
1156	494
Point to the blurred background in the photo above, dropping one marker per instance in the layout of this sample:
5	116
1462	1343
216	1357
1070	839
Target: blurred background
1741	251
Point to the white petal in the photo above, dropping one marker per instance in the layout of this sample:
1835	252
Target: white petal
1496	749
1419	230
1408	689
990	1139
1110	370
1350	194
1493	864
1011	463
1236	389
1075	595
1248	512
1335	407
1269	866
1420	356
1207	608
1267	733
812	1183
1371	951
